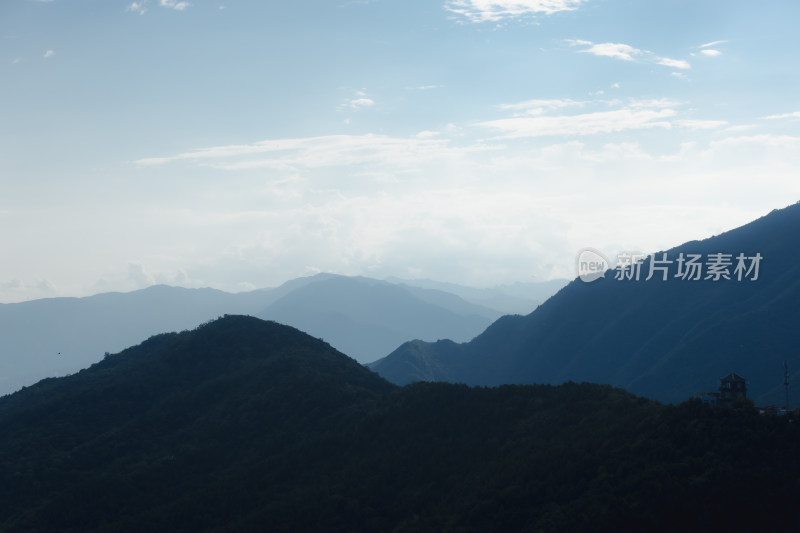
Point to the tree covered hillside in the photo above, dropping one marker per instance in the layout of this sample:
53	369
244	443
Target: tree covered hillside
246	425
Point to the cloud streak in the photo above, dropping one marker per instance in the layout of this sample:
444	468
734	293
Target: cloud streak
318	152
140	7
712	43
137	7
477	11
635	115
674	63
795	115
172	4
626	52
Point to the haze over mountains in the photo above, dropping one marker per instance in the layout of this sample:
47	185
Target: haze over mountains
242	424
363	317
667	340
246	425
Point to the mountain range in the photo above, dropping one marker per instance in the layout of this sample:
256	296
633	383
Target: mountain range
663	339
363	317
244	425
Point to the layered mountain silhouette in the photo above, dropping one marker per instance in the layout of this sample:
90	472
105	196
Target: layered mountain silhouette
57	336
247	425
367	318
363	317
510	299
666	340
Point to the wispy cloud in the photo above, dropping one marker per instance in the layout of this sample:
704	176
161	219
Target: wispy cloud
634	115
707	50
140	7
626	52
615	50
315	152
674	63
360	100
694	124
49	54
172	4
137	7
795	116
359	103
496	10
540	106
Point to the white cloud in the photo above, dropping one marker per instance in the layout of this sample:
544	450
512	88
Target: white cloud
739	128
539	106
17	290
786	142
137	7
172	4
583	124
712	43
549	118
359	103
49	54
625	52
496	10
140	6
366	204
616	50
794	115
139	277
710	52
701	124
360	100
16	60
317	152
674	63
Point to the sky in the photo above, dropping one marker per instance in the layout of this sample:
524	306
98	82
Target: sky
238	144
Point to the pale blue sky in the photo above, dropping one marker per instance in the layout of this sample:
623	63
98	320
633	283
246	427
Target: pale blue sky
237	144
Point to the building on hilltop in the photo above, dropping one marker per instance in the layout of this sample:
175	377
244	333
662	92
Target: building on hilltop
731	387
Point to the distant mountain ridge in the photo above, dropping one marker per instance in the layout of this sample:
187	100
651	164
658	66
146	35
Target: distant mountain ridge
515	298
367	318
58	336
666	340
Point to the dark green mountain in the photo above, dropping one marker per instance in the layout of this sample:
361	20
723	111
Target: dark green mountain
666	340
243	425
57	336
